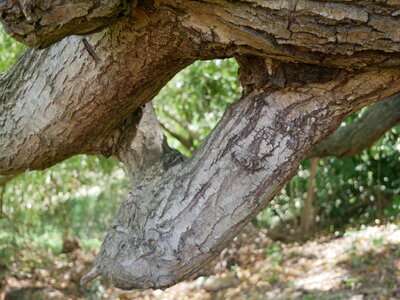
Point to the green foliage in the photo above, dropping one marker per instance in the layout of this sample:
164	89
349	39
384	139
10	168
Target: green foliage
194	101
274	256
274	253
76	197
10	50
348	190
360	184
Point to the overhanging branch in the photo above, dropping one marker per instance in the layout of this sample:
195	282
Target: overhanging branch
60	101
65	100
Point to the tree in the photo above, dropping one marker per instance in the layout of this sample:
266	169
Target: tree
347	141
304	67
363	133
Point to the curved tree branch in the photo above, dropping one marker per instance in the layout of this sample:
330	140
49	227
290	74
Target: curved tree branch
363	133
60	101
176	222
72	98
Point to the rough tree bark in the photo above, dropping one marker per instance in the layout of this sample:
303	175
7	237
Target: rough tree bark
40	23
345	141
258	144
305	66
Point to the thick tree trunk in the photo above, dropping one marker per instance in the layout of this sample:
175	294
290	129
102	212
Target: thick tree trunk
83	96
172	225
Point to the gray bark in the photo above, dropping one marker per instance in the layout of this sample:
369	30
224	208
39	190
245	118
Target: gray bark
305	66
71	99
169	227
60	101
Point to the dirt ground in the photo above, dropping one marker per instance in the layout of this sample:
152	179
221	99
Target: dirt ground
361	264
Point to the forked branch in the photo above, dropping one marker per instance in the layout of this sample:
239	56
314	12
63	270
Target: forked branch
171	225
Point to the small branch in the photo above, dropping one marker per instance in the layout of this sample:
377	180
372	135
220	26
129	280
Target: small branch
184	124
187	143
90	50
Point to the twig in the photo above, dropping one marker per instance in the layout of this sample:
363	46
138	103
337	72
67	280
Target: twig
89	49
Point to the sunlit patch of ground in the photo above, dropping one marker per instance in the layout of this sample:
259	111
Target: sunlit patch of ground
362	264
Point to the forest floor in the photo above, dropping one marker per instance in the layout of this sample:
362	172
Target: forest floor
360	264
